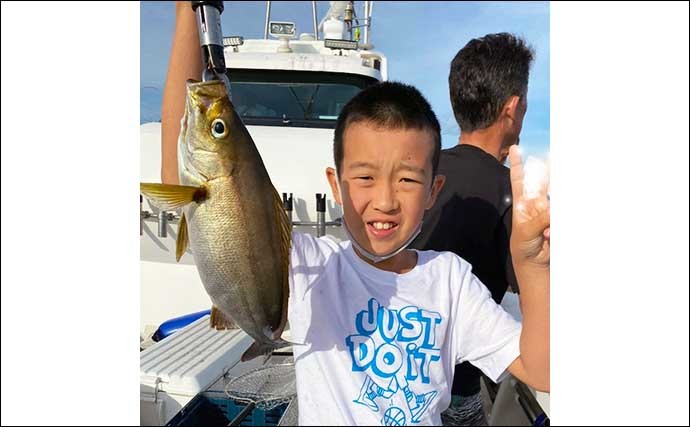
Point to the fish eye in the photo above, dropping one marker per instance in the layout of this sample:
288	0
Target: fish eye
218	128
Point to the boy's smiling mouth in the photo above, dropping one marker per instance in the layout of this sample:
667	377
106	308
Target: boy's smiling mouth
382	228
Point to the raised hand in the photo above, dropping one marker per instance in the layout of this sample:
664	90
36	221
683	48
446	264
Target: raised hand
530	239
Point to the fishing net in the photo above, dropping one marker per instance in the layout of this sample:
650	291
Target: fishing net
468	411
290	416
266	387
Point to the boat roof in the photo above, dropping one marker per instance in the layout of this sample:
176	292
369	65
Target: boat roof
306	55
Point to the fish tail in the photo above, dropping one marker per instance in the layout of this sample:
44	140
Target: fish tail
263	349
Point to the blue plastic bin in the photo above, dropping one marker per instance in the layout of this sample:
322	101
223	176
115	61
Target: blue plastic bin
216	409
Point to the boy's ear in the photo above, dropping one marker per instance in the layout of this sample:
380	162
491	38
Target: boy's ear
439	180
332	177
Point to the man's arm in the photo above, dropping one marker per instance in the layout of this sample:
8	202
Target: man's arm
185	63
530	248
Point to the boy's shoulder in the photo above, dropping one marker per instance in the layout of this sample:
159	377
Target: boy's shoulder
449	274
311	246
444	261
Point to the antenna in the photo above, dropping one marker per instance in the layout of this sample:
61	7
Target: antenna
268	18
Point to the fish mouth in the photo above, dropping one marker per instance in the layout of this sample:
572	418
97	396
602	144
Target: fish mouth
210	83
213	89
382	229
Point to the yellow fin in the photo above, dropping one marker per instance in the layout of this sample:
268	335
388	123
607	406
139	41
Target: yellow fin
182	239
169	197
220	321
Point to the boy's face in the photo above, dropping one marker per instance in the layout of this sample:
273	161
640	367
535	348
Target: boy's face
386	184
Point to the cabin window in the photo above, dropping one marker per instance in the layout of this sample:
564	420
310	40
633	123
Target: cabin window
292	98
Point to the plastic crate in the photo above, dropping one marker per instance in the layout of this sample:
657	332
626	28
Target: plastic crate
216	409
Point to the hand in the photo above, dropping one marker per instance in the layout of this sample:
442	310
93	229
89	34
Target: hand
531	235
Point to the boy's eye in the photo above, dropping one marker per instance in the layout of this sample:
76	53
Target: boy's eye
366	178
409	180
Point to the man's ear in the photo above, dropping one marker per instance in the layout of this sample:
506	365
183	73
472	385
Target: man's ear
439	180
510	107
332	177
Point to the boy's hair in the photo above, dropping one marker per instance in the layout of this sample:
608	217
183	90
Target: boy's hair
484	74
391	105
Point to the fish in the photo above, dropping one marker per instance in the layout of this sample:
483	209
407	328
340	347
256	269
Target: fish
233	219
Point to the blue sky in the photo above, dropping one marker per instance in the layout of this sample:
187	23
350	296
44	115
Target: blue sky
419	39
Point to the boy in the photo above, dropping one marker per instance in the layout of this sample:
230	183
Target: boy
378	328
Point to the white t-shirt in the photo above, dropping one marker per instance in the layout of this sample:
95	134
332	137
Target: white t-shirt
373	347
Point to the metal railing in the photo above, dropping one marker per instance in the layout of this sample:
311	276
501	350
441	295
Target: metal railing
163	218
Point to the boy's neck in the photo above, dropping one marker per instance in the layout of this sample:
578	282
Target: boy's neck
488	140
401	263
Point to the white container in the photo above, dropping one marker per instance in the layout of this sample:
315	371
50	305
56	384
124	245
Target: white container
184	364
334	29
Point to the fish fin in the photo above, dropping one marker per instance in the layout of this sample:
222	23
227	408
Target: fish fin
182	239
285	231
262	349
220	321
169	197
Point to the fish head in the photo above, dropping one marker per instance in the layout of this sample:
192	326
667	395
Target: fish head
210	131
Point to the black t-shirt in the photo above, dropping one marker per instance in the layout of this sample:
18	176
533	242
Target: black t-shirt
472	218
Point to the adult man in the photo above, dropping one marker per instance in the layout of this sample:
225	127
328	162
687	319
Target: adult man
472	217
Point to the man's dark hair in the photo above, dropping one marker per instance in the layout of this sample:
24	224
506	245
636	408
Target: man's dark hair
390	105
484	74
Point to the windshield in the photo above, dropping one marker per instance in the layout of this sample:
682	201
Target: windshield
292	98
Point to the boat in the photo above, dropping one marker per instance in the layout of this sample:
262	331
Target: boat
288	90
